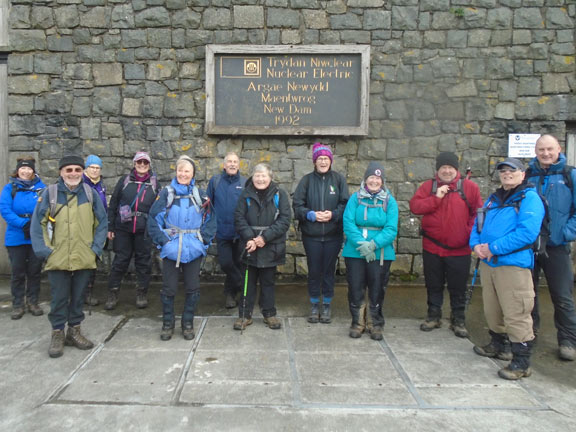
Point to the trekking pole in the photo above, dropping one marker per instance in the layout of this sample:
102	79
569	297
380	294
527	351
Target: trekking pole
244	296
468	173
471	289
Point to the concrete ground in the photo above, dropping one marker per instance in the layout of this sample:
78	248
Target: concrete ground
302	377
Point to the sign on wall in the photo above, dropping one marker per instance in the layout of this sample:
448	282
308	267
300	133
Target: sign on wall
522	145
287	90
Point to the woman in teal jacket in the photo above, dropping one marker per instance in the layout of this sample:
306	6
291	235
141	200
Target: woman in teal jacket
370	226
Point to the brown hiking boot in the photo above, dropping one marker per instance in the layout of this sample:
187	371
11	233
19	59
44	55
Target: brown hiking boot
376	333
56	348
167	331
459	330
356	331
35	310
241	324
314	316
430	324
492	351
17	313
513	374
273	323
188	331
74	337
141	300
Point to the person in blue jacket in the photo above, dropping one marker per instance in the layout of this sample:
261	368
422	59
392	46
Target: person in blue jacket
93	177
556	181
223	190
370	226
17	203
182	226
502	237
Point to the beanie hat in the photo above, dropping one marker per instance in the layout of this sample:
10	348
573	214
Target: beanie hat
93	160
446	158
30	163
320	149
71	160
188	159
375	169
142	155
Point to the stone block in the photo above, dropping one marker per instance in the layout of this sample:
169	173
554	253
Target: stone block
559	18
159	38
521	37
318	19
20	104
27	40
48	63
179	105
95	54
434	39
187	19
175	4
134	72
372	149
474	18
501	37
404	18
122	17
198	37
90	128
216	18
530	18
133	38
444	21
499	68
97	17
456	38
507	91
523	68
28	84
479	38
377	19
555	83
474	68
107	74
504	110
283	18
480	109
111	130
26	125
248	16
291	37
107	100
162	70
463	89
19	17
20	64
418	169
152	17
131	107
41	17
499	18
81	106
81	36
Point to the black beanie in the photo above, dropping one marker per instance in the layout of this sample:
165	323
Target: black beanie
30	163
374	169
71	160
446	158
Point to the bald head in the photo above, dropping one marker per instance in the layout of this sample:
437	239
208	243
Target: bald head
547	150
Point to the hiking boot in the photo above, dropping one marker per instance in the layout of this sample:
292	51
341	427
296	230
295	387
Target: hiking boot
459	329
75	338
35	310
141	300
91	301
167	331
512	373
493	351
242	323
231	302
273	323
17	313
188	331
325	317
376	333
567	353
56	348
356	331
314	313
430	324
112	300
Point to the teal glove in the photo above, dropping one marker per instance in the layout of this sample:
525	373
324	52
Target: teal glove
370	257
366	247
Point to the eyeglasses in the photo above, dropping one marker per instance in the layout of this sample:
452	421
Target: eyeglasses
73	170
142	162
506	170
95	167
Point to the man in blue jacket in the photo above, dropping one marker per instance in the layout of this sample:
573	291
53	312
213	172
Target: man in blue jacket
224	190
502	237
555	181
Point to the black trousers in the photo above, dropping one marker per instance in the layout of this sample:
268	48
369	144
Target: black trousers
229	253
452	271
127	245
68	290
26	273
266	277
171	276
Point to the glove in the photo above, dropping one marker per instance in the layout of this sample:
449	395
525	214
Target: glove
26	229
366	247
311	216
371	256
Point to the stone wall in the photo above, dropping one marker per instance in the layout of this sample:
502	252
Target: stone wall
115	76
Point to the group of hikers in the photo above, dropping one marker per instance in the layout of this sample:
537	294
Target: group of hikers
63	228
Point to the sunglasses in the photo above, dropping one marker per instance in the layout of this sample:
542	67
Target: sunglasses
506	170
142	162
73	170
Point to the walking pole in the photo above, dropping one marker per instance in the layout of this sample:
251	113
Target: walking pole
244	296
471	289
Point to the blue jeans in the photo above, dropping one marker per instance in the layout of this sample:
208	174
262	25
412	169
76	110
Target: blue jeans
321	257
557	268
361	275
68	289
26	274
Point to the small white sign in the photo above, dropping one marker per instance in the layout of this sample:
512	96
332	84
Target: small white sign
522	145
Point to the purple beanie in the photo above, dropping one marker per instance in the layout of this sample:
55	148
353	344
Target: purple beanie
320	149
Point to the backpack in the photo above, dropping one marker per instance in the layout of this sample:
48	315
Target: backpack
16	189
153	182
276	204
194	197
53	197
566	173
459	189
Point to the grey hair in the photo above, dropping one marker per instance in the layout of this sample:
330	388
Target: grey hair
231	153
263	167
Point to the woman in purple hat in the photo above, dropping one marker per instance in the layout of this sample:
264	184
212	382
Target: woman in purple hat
319	202
130	203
